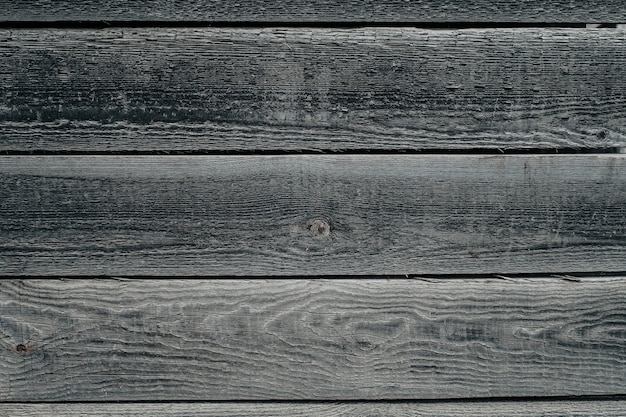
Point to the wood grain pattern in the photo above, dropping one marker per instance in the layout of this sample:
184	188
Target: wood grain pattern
311	214
310	339
488	409
199	89
557	11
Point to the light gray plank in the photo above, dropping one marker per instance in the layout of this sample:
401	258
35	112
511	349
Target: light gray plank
311	214
198	89
310	339
554	11
453	409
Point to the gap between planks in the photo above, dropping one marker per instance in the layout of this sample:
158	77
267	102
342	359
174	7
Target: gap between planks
100	24
276	152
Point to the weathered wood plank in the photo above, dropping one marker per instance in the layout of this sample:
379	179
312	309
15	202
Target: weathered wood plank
310	339
552	11
452	409
198	89
311	214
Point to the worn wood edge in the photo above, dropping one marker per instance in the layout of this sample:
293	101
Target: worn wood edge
312	339
564	408
423	11
291	89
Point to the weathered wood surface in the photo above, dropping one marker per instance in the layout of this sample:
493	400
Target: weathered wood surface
196	89
311	214
452	409
552	11
310	339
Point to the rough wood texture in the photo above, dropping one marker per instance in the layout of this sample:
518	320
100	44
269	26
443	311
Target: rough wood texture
310	339
459	409
557	11
311	215
291	89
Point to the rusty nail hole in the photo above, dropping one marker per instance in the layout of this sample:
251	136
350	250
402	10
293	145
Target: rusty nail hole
319	228
21	348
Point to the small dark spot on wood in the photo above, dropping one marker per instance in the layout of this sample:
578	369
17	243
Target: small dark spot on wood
21	349
319	228
365	345
601	135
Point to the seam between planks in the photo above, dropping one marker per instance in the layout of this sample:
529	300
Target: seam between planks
103	24
565	276
269	152
511	399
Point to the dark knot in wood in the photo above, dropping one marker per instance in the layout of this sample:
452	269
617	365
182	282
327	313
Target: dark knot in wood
319	228
21	348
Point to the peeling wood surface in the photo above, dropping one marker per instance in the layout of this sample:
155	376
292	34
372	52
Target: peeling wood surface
574	408
311	214
536	11
267	89
81	339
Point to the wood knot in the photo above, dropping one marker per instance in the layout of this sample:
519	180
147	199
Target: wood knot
22	349
319	228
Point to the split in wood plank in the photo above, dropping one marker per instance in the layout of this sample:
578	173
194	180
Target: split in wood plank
424	11
311	215
342	339
215	89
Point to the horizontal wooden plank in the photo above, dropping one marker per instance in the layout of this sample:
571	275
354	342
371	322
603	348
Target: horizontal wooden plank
458	409
159	89
345	339
311	214
552	11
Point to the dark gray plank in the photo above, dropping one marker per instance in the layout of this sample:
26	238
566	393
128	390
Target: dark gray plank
311	214
555	11
452	409
310	339
292	89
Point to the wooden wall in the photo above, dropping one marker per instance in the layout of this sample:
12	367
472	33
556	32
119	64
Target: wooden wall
312	208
